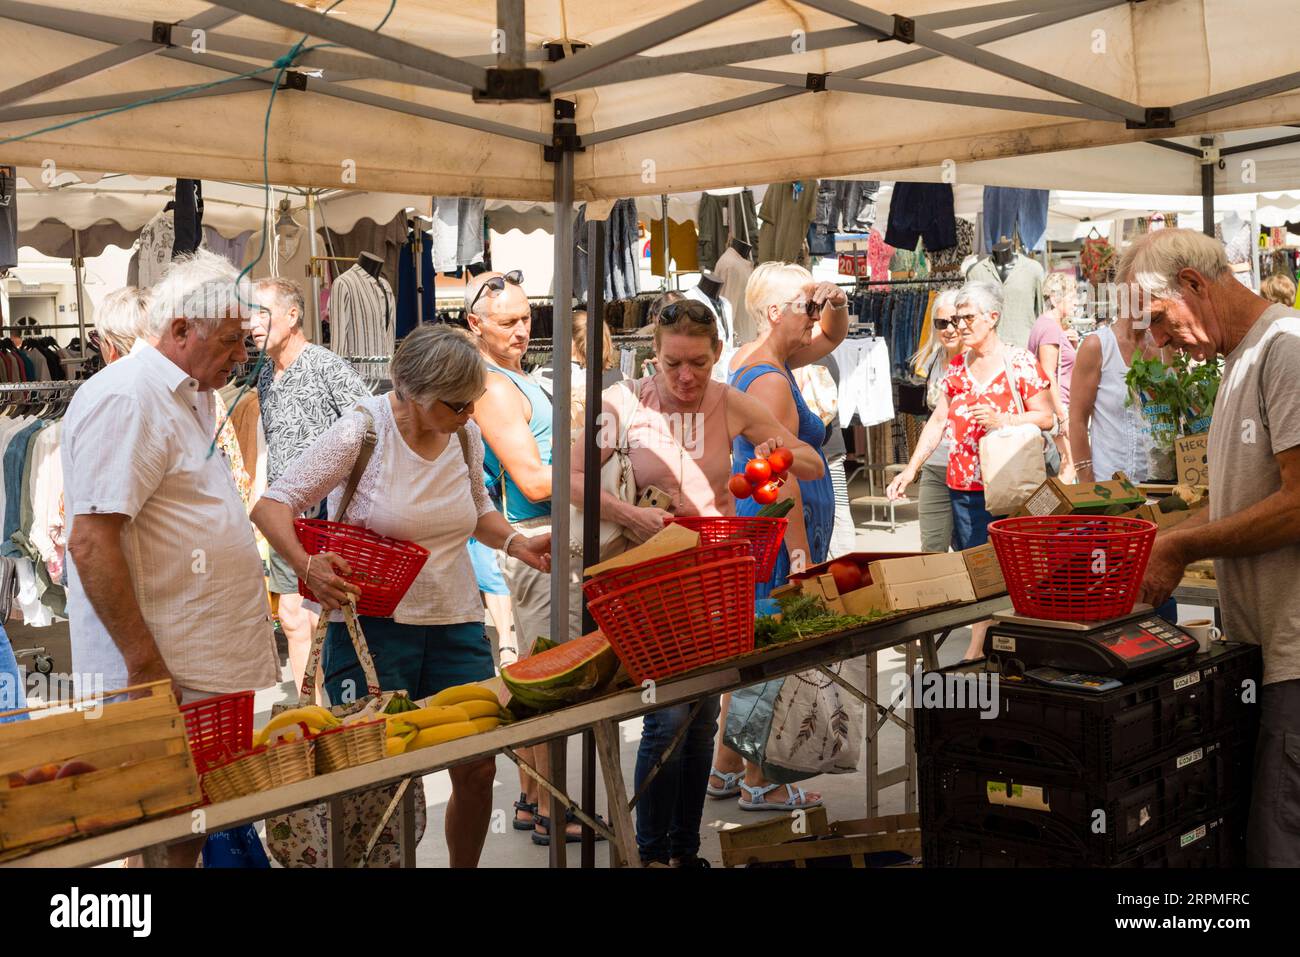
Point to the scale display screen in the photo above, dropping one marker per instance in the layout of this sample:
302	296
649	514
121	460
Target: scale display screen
1132	640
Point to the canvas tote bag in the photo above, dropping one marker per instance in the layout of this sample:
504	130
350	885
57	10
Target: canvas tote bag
1011	459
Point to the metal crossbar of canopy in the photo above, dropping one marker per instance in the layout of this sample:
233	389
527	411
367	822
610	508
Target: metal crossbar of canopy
566	100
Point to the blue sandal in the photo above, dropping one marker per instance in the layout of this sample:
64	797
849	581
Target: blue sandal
730	783
796	799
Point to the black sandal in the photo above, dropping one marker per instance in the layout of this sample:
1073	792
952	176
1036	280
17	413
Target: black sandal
522	805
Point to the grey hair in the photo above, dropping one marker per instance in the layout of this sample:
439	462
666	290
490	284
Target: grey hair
200	288
1154	261
438	361
984	296
286	294
123	317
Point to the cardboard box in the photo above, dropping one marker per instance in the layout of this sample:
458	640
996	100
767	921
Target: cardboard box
1054	497
1190	457
674	538
904	581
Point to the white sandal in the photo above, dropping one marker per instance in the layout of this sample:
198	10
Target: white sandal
796	799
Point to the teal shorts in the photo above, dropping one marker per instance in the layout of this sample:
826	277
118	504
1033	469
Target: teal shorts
419	659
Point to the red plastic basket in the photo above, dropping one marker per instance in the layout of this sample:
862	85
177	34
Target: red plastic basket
763	534
1073	567
218	728
682	620
382	567
678	561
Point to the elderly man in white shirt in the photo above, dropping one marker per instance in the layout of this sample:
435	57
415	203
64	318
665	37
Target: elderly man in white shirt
164	577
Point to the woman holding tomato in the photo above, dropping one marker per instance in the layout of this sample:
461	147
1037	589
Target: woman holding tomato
799	321
679	440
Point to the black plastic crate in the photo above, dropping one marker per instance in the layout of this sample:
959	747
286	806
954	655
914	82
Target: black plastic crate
1100	821
1101	736
1216	841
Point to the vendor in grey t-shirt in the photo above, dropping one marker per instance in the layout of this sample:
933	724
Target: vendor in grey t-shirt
1252	529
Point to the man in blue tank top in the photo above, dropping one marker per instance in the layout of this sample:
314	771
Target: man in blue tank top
515	418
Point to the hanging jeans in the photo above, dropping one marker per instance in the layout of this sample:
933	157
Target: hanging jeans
12	696
1008	212
669	813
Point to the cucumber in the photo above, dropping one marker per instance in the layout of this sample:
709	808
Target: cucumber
776	509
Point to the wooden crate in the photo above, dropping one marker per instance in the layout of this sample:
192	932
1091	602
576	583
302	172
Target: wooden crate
814	841
141	752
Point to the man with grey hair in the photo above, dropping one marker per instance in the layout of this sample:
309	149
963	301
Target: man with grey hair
164	578
302	389
1252	527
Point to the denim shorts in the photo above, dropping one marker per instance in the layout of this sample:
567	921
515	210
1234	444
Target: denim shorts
970	519
419	659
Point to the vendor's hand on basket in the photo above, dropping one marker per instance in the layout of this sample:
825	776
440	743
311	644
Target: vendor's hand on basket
647	522
330	590
1164	571
898	487
534	551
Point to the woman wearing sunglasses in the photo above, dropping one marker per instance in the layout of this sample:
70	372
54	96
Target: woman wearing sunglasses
679	439
975	399
423	483
944	345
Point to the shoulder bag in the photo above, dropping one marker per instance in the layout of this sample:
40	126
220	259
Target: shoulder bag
616	478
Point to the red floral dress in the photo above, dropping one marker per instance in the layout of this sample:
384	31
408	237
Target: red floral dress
964	394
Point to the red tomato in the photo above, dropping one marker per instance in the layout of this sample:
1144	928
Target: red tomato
740	487
767	493
781	459
758	471
847	575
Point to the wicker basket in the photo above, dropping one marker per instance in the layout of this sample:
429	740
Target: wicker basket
262	769
350	745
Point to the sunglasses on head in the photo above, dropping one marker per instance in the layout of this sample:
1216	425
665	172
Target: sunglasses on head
497	284
694	311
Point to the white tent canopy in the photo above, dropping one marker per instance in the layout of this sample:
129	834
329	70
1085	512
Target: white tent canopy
398	115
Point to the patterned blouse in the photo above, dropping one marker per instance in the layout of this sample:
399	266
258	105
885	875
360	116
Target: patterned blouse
965	394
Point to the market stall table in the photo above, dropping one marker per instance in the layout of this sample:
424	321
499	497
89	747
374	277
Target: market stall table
602	715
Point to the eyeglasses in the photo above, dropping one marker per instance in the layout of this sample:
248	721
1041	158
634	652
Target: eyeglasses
809	307
694	311
497	284
965	319
942	324
458	407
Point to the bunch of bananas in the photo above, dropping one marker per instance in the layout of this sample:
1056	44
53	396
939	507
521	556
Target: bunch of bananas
316	718
399	703
450	714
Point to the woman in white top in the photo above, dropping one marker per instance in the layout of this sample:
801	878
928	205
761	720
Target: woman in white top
1107	433
419	487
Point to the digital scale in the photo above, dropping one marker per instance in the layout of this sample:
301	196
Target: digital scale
1073	654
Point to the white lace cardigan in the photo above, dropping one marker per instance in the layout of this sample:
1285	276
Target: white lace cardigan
325	466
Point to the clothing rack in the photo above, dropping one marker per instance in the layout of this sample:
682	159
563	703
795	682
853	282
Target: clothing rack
56	385
368	359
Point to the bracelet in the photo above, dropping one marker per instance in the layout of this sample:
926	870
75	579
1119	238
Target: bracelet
510	538
1083	464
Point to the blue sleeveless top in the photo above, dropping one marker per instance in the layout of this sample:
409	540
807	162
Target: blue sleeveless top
517	507
818	495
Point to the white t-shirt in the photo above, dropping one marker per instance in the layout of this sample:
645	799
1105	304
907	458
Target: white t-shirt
135	442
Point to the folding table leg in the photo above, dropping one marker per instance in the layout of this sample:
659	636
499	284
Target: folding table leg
623	848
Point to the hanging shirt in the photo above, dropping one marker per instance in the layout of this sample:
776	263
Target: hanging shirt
1022	295
965	394
785	215
683	246
734	270
155	253
457	232
362	315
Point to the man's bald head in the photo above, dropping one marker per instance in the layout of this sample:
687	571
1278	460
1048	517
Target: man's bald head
509	301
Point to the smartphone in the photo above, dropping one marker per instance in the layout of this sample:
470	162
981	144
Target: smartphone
653	497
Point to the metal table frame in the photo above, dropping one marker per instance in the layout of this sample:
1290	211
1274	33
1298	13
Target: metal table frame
600	716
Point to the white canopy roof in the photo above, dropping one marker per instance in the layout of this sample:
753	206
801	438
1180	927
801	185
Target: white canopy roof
395	111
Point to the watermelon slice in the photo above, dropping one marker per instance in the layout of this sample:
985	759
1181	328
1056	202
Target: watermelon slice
565	674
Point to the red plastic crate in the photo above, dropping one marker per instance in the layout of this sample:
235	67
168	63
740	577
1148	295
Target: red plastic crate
383	568
763	534
1073	567
678	561
682	620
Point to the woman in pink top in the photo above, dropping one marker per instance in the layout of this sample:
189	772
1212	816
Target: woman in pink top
679	440
1053	342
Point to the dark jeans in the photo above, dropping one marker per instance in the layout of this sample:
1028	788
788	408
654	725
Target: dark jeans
668	814
1273	831
970	520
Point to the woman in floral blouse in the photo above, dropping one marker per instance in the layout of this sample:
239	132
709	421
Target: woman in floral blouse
976	398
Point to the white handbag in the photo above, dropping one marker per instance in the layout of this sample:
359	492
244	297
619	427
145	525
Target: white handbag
616	478
1012	461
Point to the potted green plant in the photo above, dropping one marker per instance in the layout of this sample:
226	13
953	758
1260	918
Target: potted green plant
1175	399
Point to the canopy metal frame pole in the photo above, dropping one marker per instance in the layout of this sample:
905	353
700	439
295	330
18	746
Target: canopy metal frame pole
317	332
510	21
361	39
112	101
79	70
1242	94
642	38
1207	191
77	264
985	60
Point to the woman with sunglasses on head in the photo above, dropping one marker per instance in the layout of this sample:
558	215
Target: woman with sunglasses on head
679	439
975	399
799	321
423	483
944	345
